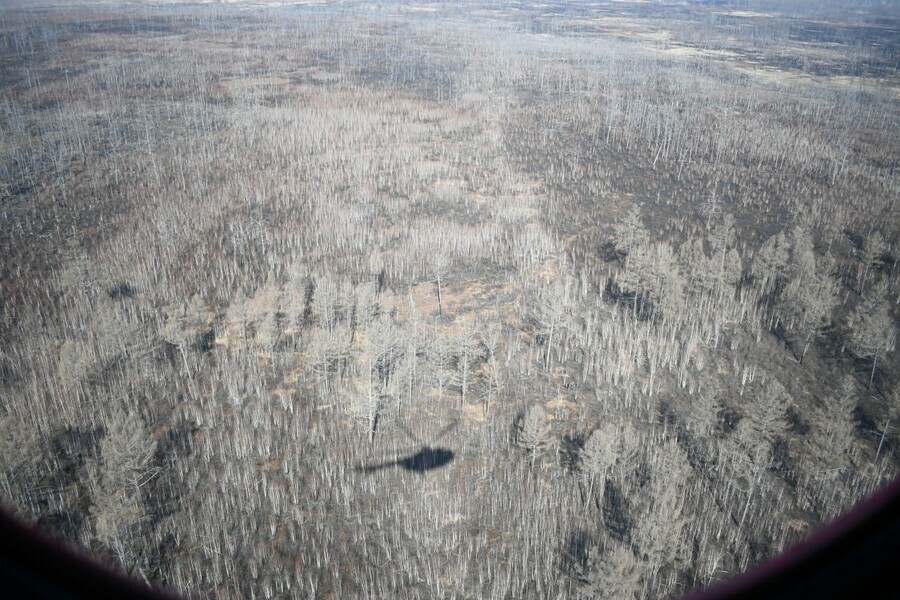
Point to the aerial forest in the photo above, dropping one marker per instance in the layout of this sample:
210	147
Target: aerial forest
446	300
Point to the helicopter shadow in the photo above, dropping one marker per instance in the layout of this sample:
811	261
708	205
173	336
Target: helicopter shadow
426	459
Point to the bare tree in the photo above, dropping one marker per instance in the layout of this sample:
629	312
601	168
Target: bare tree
770	264
660	532
439	355
612	574
840	419
631	446
598	457
490	337
533	432
768	414
325	303
179	326
375	365
553	307
875	248
439	265
810	297
125	467
465	347
873	331
652	272
630	232
361	306
409	366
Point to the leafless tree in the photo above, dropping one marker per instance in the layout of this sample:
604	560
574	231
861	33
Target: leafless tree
598	457
533	432
874	331
439	265
553	307
465	347
612	574
873	251
125	467
770	264
810	297
630	232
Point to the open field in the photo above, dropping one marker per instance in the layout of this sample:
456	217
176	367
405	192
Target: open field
494	300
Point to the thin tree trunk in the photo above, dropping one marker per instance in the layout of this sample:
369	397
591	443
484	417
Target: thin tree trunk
549	349
440	299
887	424
805	348
587	500
874	362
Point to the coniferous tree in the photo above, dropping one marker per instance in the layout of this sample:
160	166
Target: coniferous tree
873	332
125	467
597	458
533	432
